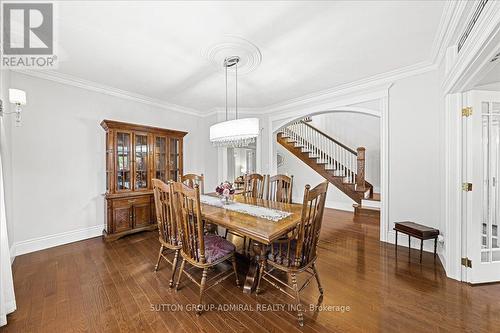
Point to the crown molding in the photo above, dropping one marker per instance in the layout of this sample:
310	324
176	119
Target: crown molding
450	19
375	81
108	90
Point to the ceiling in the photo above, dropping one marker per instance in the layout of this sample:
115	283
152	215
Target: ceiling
159	49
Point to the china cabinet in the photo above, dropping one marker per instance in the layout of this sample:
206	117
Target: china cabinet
135	154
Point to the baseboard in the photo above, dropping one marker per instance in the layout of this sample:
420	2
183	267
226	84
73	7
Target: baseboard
45	242
346	206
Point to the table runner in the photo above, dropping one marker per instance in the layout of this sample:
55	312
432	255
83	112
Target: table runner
257	211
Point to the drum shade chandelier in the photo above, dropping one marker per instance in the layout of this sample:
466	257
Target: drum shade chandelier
236	132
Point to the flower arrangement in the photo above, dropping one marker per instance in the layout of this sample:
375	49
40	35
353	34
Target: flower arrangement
225	190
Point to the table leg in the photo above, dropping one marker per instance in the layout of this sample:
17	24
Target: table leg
253	269
396	247
409	246
421	249
435	247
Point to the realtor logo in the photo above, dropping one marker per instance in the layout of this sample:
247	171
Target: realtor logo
28	35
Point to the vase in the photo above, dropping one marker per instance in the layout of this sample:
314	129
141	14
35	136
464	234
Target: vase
225	200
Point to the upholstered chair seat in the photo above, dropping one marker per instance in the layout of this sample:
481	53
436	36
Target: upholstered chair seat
217	247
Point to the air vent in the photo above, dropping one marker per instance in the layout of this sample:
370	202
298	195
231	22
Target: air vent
472	22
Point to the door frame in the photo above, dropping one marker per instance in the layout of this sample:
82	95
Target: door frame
462	72
347	103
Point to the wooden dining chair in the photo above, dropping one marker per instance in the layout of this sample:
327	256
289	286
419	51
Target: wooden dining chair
253	188
200	250
298	254
167	226
254	185
279	188
192	179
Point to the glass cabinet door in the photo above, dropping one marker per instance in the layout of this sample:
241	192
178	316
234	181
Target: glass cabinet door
123	161
160	158
174	159
141	161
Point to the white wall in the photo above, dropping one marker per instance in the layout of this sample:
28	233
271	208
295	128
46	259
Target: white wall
416	151
58	155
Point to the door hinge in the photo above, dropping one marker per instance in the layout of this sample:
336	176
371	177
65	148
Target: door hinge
467	112
467	187
467	262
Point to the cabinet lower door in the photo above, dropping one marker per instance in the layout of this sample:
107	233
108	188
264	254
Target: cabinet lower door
122	218
142	214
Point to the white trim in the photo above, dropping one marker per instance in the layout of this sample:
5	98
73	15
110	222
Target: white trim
354	88
12	253
472	57
108	90
45	242
450	19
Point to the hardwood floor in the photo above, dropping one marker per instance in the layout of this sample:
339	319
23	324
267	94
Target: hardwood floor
111	287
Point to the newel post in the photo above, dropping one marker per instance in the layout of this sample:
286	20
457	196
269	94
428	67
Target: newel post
360	176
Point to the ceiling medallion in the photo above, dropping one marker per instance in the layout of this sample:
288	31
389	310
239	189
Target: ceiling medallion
249	55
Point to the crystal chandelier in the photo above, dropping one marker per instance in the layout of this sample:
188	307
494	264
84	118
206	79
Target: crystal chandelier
237	132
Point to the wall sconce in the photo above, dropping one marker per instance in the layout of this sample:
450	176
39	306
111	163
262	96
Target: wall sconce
17	97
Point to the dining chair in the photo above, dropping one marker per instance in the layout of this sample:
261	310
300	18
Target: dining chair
203	251
192	179
254	185
253	188
279	188
167	226
298	254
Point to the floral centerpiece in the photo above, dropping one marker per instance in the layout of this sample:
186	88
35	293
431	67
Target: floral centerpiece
225	190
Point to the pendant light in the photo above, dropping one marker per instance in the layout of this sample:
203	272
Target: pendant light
237	132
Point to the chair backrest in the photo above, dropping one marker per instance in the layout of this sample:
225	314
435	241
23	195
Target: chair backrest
279	188
310	224
167	226
187	209
192	179
254	186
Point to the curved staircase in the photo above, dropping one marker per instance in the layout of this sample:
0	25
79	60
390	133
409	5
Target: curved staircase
337	163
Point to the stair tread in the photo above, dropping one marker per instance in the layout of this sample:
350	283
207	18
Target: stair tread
374	197
359	206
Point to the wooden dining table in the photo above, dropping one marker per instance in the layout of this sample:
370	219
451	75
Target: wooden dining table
261	231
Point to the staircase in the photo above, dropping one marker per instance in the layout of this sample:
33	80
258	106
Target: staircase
337	163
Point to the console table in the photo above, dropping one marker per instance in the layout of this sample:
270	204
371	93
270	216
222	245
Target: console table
416	230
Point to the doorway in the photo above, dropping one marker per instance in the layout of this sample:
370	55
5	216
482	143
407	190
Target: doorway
481	196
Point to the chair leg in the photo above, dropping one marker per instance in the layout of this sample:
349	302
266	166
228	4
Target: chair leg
174	267
316	274
225	234
202	290
262	267
180	274
233	261
159	258
244	245
295	287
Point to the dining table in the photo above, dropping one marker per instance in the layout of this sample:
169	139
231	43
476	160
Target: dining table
262	231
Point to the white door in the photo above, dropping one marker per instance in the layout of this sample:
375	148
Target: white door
482	169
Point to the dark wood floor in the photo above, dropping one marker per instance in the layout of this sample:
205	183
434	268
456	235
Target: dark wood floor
111	287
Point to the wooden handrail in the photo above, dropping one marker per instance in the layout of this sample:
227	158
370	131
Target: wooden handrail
352	151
